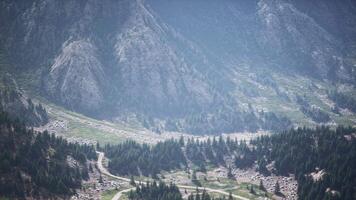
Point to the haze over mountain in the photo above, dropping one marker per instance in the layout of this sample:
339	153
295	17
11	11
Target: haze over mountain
178	99
200	66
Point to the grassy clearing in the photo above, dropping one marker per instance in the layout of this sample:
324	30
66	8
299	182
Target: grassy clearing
80	126
124	197
229	185
269	100
243	190
81	130
225	184
108	195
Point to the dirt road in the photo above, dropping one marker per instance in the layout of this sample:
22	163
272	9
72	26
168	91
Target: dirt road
119	194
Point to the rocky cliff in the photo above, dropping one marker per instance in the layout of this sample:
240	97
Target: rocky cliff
178	60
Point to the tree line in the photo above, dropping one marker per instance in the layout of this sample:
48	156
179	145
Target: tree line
162	191
304	151
132	158
34	164
297	151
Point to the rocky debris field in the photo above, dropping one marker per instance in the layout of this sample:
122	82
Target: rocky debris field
288	185
94	187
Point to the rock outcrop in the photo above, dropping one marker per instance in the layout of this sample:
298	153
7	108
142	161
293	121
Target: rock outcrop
170	59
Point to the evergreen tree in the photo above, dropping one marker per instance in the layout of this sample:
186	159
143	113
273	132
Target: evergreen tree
230	196
261	186
132	181
229	174
277	189
252	190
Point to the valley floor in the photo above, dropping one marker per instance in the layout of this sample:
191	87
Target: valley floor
104	185
78	128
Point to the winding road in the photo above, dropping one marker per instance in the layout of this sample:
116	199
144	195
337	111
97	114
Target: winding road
104	171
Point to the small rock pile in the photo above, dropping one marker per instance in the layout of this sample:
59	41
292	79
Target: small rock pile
93	188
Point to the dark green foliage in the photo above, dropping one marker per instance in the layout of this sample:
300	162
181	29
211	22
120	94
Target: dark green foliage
154	191
246	156
252	190
230	196
210	151
195	179
229	174
261	167
132	181
297	151
277	188
205	196
130	157
35	164
301	151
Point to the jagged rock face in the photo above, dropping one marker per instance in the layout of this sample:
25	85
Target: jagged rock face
263	33
77	77
168	58
153	72
288	32
17	105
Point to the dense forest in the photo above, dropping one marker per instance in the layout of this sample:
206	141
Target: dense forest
130	158
154	191
301	152
39	165
205	196
304	151
161	191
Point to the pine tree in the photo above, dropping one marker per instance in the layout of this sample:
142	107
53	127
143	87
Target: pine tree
230	196
181	141
277	189
100	179
252	190
132	181
229	174
261	186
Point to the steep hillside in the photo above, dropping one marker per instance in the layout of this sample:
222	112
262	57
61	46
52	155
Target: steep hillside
15	102
200	67
22	108
38	165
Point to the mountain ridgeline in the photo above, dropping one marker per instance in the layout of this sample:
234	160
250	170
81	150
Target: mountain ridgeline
202	67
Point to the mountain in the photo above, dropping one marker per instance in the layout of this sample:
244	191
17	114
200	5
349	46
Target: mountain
201	67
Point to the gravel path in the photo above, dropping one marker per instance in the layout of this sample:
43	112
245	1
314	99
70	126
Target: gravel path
119	194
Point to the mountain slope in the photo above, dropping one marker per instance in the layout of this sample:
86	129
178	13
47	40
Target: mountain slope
77	76
201	66
38	165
